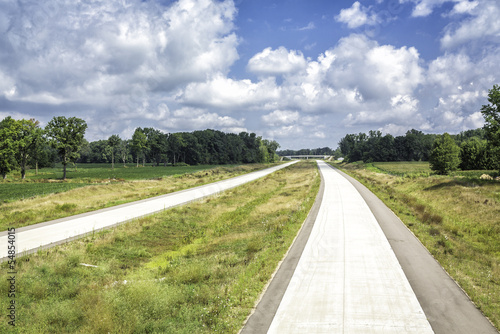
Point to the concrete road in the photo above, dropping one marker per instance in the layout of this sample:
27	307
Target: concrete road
32	238
345	277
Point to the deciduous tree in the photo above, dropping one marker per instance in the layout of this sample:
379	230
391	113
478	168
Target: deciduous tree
9	129
139	145
66	136
445	155
491	114
113	142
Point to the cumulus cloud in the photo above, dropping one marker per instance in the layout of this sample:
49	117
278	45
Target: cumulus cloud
112	52
356	16
483	25
281	117
223	92
277	62
189	118
355	72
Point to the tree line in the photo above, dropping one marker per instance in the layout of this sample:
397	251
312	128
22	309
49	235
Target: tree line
477	149
307	151
150	145
23	143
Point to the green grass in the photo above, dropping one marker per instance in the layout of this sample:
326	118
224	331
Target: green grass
404	168
103	194
455	217
14	191
194	269
49	180
104	171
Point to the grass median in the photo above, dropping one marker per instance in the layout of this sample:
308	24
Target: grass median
455	217
198	268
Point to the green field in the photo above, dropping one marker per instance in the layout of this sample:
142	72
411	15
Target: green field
456	217
404	168
421	168
199	268
49	180
30	202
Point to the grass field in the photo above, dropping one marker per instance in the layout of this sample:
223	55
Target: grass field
198	268
421	168
456	217
103	193
49	180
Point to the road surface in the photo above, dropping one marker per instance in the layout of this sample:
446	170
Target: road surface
32	238
344	274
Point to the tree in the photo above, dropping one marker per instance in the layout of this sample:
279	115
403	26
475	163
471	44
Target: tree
272	146
66	136
39	142
445	155
175	146
123	150
113	143
139	144
491	114
8	142
474	154
29	142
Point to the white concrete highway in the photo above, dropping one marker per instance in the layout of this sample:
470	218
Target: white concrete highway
348	279
354	267
31	238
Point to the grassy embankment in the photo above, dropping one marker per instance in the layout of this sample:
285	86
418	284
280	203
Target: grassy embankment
95	190
198	268
456	217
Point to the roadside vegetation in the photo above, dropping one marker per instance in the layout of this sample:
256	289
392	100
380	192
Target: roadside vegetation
198	268
42	197
456	217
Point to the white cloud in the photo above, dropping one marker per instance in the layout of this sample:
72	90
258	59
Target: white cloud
101	51
223	92
281	117
188	118
464	7
276	62
309	26
356	16
484	25
355	72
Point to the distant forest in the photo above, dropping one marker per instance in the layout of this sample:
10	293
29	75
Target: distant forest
308	151
416	146
149	145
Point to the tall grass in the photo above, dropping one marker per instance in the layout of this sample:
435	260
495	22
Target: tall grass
455	217
193	269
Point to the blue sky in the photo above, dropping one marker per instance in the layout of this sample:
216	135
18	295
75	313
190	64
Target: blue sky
302	72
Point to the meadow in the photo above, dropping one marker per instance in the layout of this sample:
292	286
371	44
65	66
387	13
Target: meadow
49	180
456	217
37	200
199	268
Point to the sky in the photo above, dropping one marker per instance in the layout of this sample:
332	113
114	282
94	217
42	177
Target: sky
302	72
